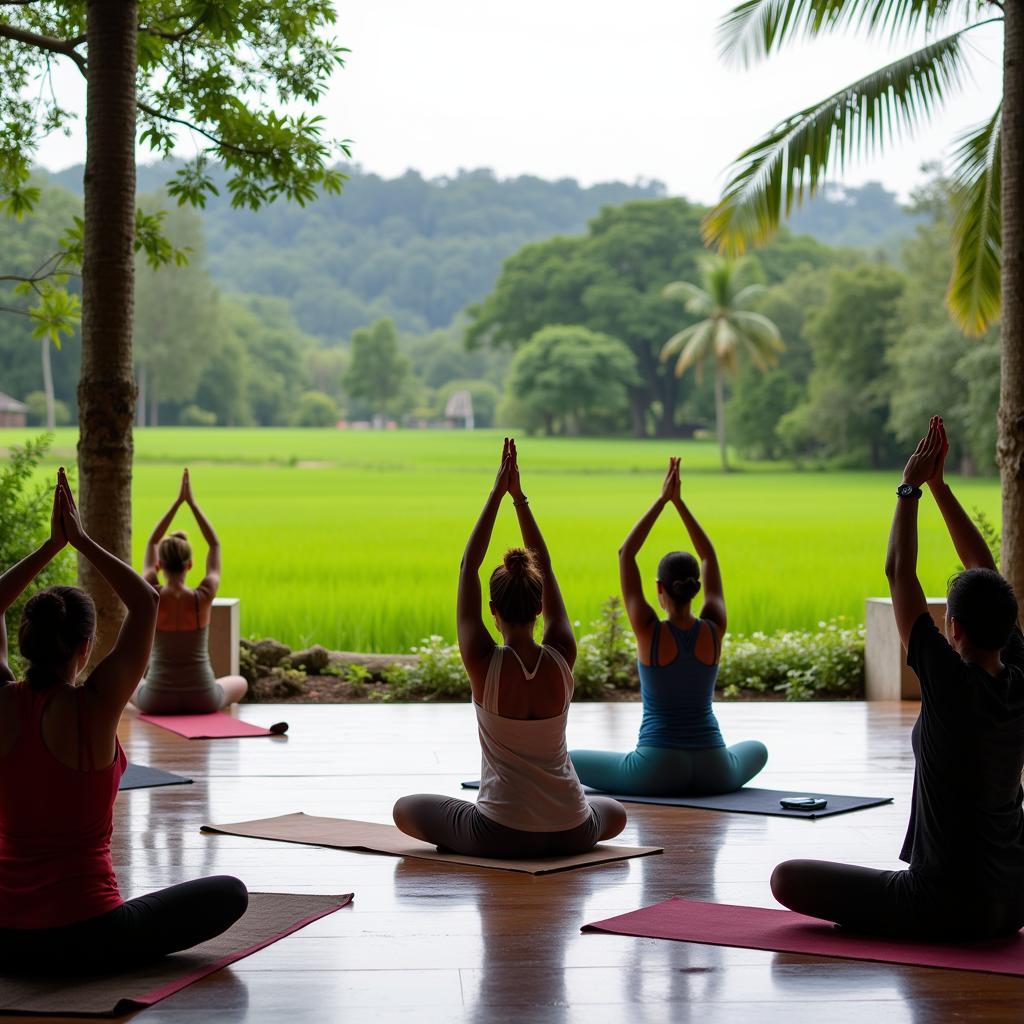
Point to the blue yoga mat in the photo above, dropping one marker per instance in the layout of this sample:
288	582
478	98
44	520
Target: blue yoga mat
140	776
748	801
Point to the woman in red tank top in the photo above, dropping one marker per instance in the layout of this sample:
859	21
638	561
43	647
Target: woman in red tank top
60	767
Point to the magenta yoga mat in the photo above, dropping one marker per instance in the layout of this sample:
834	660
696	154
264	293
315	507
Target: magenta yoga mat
213	726
782	931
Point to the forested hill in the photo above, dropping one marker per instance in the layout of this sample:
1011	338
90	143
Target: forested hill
413	249
421	250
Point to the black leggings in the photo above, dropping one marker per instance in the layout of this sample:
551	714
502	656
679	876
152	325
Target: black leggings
457	826
139	930
895	904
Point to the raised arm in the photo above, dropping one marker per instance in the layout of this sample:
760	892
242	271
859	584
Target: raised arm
151	559
475	641
641	615
558	632
211	579
16	580
970	545
711	575
908	600
116	676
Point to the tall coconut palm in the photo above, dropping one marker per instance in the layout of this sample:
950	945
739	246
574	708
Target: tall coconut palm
729	329
797	156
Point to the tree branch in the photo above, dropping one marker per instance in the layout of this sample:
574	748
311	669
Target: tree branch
172	36
152	112
50	267
65	47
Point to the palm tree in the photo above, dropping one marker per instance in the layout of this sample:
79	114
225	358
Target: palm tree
728	329
796	157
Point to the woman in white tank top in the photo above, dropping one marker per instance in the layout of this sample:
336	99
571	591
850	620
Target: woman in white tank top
531	803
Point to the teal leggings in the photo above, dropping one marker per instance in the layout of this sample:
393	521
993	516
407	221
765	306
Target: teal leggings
658	771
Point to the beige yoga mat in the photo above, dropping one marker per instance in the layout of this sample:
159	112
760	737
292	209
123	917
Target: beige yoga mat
345	834
271	916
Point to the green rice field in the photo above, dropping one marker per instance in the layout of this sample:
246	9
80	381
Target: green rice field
353	539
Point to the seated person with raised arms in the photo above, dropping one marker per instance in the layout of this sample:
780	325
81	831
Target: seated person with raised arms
965	840
180	679
680	751
530	804
60	907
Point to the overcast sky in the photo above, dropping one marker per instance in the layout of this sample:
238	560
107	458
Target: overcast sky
588	89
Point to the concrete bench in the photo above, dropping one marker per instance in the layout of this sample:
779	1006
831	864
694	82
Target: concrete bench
886	674
225	635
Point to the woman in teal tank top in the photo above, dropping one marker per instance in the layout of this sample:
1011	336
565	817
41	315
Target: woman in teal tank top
680	750
180	679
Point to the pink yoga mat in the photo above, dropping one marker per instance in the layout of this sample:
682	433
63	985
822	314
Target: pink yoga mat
722	924
214	726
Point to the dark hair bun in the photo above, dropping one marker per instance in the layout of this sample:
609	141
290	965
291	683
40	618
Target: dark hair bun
181	534
54	625
685	590
518	561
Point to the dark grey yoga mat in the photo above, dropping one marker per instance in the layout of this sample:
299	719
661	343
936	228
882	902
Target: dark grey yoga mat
140	776
748	801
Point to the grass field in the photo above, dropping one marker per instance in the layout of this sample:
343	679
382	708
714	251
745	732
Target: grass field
353	540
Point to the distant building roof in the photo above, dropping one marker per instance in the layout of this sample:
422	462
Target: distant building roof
8	404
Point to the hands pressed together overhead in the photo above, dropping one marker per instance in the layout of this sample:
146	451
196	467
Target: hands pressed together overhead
926	464
65	522
508	480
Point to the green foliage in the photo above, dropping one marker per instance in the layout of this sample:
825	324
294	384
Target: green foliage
378	371
573	380
195	416
25	507
802	664
358	678
438	675
36	402
796	158
991	535
316	410
606	656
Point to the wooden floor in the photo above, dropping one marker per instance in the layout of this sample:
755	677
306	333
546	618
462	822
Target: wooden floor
425	943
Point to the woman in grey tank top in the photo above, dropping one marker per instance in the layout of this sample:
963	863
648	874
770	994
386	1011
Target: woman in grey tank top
180	678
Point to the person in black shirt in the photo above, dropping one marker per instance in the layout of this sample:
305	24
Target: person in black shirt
965	841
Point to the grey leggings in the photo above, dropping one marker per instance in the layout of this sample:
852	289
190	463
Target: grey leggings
896	904
457	826
151	701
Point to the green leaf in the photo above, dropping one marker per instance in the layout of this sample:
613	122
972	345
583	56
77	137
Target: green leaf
974	288
796	157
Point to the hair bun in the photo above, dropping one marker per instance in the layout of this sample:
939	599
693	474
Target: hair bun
180	533
518	561
685	589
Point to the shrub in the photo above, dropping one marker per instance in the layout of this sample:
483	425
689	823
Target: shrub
438	675
606	656
316	410
802	664
25	509
36	402
195	416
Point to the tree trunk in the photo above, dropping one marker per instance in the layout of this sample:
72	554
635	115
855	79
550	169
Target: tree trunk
1010	444
51	415
720	416
106	387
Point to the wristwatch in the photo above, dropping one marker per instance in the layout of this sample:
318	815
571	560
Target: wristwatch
908	491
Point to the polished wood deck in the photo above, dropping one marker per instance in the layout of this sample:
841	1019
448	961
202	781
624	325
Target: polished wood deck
425	943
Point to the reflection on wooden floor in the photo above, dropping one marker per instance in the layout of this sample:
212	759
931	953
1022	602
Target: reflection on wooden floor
425	943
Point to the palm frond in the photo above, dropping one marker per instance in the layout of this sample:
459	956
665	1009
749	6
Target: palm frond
762	332
795	158
695	300
974	288
696	343
755	29
744	295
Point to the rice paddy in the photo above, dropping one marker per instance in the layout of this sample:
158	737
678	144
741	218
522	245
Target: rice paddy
353	539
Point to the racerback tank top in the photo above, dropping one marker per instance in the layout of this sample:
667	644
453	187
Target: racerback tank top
55	825
527	781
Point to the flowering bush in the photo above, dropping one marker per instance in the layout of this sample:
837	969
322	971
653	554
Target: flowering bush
438	674
606	656
802	664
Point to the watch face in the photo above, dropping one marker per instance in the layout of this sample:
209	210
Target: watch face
906	490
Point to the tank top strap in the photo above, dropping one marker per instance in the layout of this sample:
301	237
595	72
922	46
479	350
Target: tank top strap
567	679
490	701
714	638
655	638
686	639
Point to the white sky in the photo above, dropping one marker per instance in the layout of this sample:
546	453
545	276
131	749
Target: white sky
590	89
